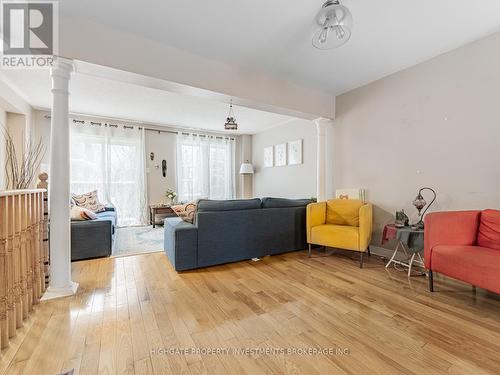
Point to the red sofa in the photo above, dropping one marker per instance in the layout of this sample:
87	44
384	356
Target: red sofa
464	245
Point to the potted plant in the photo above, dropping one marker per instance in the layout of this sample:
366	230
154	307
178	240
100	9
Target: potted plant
170	194
20	170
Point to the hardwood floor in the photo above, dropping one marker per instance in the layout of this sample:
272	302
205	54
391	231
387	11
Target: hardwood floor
128	307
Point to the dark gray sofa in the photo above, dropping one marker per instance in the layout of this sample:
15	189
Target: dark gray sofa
93	238
231	231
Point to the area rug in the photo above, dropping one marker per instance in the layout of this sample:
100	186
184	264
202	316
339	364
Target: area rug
138	240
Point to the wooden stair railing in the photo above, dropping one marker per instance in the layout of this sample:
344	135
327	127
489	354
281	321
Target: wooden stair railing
23	257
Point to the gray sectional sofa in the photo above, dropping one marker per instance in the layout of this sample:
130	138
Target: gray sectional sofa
93	238
235	230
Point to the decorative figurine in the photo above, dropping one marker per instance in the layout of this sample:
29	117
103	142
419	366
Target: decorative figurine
402	219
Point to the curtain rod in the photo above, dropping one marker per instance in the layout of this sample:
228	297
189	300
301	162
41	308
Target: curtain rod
95	123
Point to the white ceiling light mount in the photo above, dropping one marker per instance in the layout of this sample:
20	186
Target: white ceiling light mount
335	25
231	123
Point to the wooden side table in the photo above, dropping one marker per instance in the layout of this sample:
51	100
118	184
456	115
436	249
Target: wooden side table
158	209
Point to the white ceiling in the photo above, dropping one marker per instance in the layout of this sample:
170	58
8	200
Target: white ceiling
97	96
275	36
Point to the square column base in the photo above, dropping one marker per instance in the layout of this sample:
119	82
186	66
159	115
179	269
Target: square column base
53	293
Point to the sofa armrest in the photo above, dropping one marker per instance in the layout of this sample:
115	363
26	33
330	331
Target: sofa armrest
91	239
449	228
181	243
365	226
315	215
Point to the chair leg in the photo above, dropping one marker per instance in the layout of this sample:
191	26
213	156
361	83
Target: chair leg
309	252
431	282
369	252
360	260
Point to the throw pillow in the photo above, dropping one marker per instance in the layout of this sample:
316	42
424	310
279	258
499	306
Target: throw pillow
343	212
489	229
89	201
81	214
185	211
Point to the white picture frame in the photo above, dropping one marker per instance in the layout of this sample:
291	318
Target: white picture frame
269	157
295	152
280	155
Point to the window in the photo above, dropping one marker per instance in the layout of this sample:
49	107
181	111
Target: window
205	168
111	161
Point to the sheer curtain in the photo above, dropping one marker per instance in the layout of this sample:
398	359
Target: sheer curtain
112	161
205	167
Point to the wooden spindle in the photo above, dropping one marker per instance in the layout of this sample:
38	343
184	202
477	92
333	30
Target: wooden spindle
18	261
30	251
36	247
44	225
11	303
4	328
43	236
24	255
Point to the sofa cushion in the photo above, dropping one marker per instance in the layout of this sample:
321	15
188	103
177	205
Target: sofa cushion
185	211
81	214
473	264
109	216
284	202
489	229
89	201
206	205
340	236
343	212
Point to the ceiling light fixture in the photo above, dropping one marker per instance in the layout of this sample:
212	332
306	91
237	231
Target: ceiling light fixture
231	120
335	22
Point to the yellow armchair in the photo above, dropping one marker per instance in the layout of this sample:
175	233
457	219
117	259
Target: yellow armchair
339	223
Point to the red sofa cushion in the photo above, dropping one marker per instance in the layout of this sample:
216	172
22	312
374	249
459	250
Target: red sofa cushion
449	228
475	265
488	234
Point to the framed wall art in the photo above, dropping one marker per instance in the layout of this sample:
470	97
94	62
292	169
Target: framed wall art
280	155
295	152
268	157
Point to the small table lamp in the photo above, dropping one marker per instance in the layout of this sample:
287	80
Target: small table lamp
419	203
246	168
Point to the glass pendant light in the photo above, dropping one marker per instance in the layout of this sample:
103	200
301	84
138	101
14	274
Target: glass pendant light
231	123
335	25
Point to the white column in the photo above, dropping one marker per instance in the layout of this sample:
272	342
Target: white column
60	283
321	146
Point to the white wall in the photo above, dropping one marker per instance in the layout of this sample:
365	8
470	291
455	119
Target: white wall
16	126
16	115
41	130
291	181
3	125
164	147
436	124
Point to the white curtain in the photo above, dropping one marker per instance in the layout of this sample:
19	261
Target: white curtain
205	167
111	160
